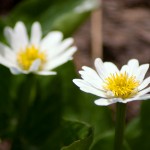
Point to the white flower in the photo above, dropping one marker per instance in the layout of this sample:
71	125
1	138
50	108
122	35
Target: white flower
114	85
34	55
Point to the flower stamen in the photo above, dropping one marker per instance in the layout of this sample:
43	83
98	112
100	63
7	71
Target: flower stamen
121	85
26	57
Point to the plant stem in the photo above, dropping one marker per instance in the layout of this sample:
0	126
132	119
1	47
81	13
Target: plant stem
120	123
25	98
26	95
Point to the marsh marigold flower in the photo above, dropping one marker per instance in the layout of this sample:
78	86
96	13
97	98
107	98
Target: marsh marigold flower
113	85
35	54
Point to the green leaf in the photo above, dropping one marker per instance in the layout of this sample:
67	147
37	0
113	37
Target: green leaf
106	142
72	135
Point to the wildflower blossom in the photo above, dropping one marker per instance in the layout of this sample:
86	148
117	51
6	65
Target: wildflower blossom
34	54
113	85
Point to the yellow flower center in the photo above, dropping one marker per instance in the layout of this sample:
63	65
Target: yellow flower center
121	85
26	57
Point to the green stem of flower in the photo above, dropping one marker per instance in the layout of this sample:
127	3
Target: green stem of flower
25	98
120	124
26	95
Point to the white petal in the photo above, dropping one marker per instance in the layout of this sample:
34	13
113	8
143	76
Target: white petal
10	36
100	68
61	59
91	76
144	84
137	98
125	68
105	102
110	68
133	65
35	65
60	48
21	35
141	72
45	73
91	72
7	53
5	62
51	40
86	87
143	92
15	70
36	33
17	38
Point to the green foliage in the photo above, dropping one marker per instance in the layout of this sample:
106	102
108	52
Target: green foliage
106	142
35	122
